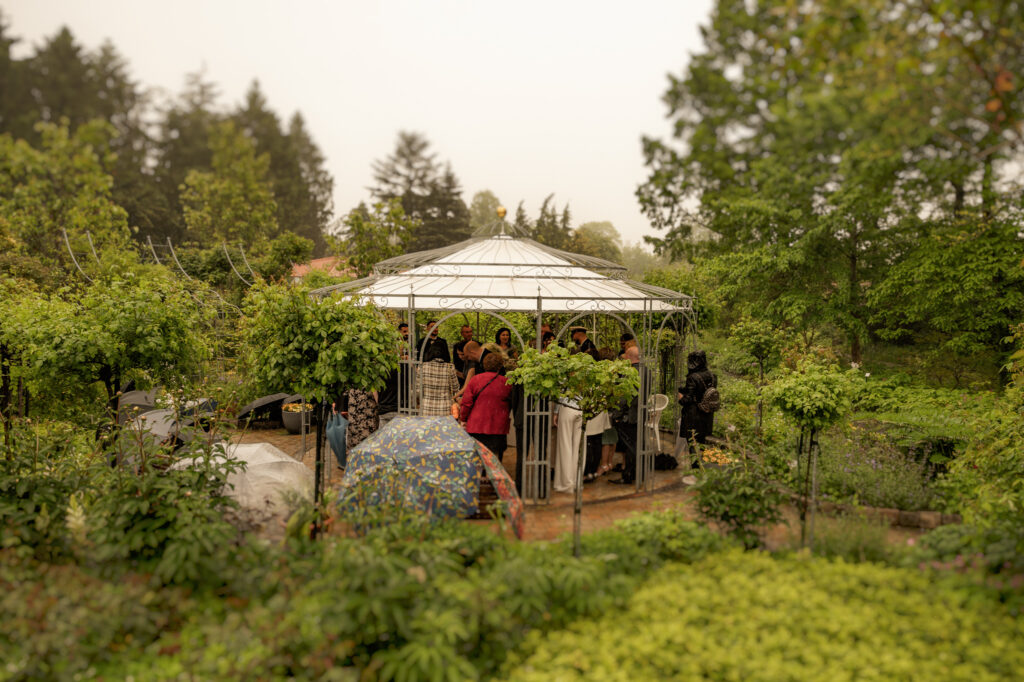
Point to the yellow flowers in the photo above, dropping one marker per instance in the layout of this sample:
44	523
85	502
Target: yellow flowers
715	456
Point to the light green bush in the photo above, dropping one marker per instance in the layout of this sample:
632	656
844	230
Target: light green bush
744	616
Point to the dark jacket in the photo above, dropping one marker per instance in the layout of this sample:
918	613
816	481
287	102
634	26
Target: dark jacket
628	413
696	423
442	346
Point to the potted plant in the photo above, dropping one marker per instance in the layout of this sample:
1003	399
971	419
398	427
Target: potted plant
292	415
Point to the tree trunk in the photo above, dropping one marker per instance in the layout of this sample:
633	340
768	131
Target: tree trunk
318	476
5	398
577	513
855	350
854	299
958	197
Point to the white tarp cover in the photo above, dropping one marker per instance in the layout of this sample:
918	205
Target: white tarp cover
504	273
270	483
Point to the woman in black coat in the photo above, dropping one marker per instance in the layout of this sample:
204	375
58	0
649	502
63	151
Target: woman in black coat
696	424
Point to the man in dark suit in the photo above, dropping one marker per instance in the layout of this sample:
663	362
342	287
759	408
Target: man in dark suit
625	420
434	340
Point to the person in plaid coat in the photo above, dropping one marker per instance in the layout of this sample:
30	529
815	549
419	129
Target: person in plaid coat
436	383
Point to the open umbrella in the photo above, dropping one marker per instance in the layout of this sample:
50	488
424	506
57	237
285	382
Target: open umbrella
426	464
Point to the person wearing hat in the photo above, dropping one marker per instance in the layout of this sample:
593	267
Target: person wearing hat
579	337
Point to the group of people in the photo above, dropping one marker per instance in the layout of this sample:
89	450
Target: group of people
471	386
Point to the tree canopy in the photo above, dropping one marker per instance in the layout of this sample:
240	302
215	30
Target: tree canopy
233	201
318	347
370	236
155	142
819	144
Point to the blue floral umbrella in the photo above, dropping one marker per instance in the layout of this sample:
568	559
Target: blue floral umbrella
425	464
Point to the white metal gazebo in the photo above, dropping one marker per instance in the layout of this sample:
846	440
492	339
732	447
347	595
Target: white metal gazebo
497	272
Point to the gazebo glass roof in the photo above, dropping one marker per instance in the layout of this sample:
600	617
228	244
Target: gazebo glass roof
506	273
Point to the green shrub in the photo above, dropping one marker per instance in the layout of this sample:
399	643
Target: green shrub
42	469
412	601
993	548
864	467
60	623
61	499
741	499
169	522
913	414
853	537
743	616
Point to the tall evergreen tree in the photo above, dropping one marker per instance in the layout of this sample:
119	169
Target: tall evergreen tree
295	162
430	193
16	112
551	228
183	144
522	222
318	207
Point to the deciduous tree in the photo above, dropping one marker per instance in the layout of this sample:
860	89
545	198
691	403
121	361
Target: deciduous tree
370	236
64	183
598	239
483	209
233	201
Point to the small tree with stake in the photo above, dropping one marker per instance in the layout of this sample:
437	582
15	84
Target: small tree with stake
594	386
813	397
764	343
318	347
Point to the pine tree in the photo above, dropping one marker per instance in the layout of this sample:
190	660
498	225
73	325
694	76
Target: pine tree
430	194
294	160
182	146
550	228
522	222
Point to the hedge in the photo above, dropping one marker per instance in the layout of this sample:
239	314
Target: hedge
749	616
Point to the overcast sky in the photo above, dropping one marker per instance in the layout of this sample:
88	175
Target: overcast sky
523	98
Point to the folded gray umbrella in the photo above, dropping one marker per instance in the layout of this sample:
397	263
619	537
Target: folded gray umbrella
336	427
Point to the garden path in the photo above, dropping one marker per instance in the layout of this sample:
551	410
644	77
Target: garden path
603	503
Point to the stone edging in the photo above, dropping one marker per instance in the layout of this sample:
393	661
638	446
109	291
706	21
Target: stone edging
926	520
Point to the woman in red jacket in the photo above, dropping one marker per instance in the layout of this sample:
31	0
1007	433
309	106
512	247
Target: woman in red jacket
485	405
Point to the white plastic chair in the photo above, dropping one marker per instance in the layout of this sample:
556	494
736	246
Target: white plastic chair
656	404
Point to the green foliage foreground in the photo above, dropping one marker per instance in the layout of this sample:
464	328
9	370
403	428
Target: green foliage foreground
406	602
457	601
743	616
